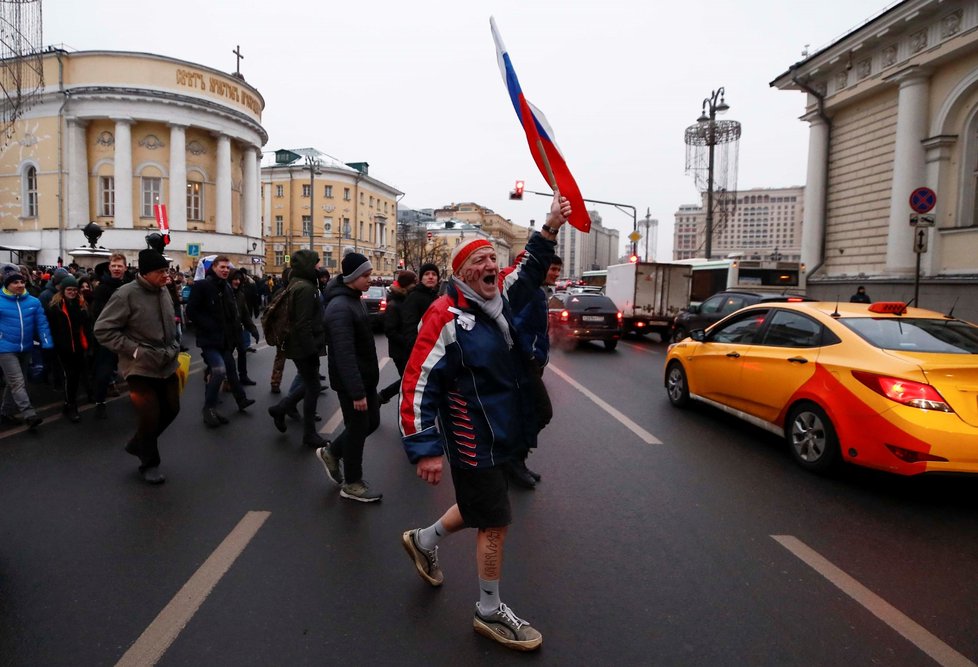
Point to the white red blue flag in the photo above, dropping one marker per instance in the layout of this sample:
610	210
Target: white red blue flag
540	137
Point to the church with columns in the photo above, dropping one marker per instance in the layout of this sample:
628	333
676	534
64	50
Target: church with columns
115	133
892	107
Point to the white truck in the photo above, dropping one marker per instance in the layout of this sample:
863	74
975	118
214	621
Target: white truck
649	295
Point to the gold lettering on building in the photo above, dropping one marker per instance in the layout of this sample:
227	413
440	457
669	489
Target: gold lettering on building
219	87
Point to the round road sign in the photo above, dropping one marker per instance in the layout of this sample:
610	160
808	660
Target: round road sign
923	200
430	236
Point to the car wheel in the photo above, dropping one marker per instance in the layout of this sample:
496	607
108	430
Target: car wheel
812	438
679	334
676	385
610	345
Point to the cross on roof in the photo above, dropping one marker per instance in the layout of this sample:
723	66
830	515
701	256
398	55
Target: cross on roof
237	52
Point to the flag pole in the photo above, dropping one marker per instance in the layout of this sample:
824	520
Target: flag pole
546	164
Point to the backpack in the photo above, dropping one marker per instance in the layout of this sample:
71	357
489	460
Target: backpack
276	321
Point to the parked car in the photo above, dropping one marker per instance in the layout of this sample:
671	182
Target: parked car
878	385
576	317
721	304
375	299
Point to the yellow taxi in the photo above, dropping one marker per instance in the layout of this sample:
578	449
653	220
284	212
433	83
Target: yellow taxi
878	385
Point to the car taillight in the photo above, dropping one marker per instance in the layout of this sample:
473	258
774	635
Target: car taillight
564	315
905	392
383	305
621	316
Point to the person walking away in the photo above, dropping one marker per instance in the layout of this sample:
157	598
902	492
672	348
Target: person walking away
464	396
22	321
394	330
214	312
860	296
138	325
278	365
71	333
303	344
354	375
249	330
106	361
417	302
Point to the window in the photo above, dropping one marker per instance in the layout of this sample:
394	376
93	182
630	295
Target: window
788	329
152	190
306	190
328	259
306	225
742	330
30	192
346	228
279	190
278	257
195	202
361	197
327	225
279	225
346	194
360	231
371	202
328	192
106	196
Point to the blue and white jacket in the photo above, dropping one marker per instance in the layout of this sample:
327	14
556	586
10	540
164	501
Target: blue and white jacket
465	392
22	320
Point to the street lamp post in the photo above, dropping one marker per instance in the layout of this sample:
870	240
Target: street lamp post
709	115
313	163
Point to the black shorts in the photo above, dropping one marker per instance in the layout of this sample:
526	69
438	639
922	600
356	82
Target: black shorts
482	495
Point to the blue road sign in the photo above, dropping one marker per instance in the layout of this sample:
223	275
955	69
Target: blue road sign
193	250
923	200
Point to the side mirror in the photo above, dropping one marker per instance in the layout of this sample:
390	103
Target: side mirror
699	335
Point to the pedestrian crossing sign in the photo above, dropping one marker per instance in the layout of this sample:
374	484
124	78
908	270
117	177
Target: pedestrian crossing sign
193	250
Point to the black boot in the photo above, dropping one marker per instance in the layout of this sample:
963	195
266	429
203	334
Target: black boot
535	475
310	438
520	475
71	412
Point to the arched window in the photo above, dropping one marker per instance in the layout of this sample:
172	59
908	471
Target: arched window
30	192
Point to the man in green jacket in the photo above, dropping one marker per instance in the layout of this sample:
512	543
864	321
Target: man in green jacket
305	341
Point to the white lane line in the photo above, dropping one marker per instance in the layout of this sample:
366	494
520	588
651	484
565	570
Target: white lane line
337	418
168	624
626	422
642	348
883	610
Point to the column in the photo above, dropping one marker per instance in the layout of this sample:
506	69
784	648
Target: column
123	173
79	211
177	200
813	223
223	195
250	225
909	169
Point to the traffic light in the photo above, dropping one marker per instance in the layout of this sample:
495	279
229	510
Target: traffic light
517	192
633	259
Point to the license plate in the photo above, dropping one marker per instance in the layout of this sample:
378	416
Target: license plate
592	318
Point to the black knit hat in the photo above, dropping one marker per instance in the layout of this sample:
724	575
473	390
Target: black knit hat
429	267
354	266
150	260
11	277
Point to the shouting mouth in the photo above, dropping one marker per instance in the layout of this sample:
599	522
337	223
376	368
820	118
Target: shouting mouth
489	279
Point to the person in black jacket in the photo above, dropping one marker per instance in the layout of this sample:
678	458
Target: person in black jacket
422	296
303	345
394	330
71	332
106	361
215	315
354	375
240	283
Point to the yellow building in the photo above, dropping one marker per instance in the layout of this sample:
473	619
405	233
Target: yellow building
495	225
114	133
312	200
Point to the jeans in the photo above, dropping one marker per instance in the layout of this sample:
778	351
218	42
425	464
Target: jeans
358	425
242	351
157	403
14	368
106	361
221	363
305	388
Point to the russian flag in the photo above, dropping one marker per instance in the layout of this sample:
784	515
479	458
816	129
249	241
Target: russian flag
540	138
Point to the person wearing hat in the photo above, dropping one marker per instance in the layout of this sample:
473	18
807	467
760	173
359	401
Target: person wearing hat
73	340
354	374
416	303
137	324
106	361
397	348
466	396
22	321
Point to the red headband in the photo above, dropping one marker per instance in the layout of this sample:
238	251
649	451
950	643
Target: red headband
463	252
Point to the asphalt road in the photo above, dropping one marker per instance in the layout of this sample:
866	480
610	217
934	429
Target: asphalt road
657	536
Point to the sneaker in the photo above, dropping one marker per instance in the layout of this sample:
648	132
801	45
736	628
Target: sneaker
210	417
330	463
520	476
100	411
243	403
278	417
359	491
426	561
153	476
507	628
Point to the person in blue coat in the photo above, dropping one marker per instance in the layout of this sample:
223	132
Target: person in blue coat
22	321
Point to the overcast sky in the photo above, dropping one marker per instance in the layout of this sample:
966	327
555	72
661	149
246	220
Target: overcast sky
413	88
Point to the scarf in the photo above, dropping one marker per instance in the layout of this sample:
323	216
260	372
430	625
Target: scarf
492	307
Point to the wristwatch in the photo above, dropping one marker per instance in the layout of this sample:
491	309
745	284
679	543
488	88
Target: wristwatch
547	228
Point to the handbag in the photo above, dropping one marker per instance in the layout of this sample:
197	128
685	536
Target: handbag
183	369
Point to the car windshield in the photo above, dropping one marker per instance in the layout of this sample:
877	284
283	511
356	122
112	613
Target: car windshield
586	301
916	334
375	292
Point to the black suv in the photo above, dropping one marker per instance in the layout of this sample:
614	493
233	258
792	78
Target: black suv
719	306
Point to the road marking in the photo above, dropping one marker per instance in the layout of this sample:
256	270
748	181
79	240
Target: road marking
628	423
642	348
883	610
334	422
161	633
